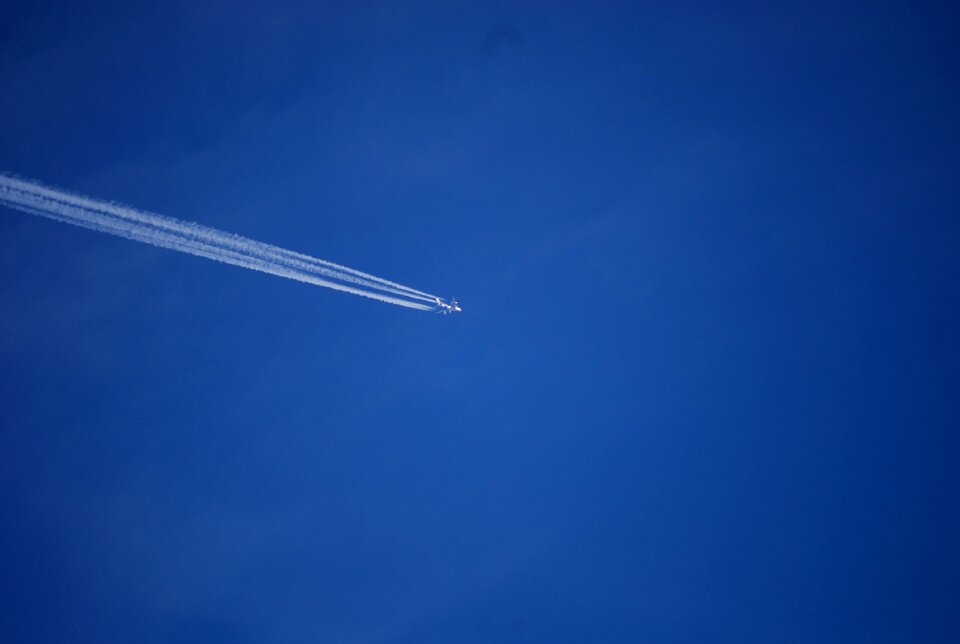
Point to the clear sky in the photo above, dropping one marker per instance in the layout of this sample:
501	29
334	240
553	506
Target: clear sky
704	387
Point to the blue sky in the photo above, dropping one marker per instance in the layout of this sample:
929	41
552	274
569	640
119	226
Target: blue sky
704	387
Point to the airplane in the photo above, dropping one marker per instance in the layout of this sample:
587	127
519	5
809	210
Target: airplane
446	309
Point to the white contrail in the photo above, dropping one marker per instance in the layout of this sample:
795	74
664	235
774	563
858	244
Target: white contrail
167	232
34	191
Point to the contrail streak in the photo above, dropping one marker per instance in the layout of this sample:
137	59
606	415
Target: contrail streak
194	239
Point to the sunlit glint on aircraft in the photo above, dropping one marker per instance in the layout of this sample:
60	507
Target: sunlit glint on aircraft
445	308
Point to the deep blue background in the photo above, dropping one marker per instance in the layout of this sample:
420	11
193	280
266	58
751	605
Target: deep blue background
704	388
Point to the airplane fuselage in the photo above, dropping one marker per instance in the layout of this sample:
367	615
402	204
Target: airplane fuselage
446	308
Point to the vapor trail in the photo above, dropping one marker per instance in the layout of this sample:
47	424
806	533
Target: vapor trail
194	239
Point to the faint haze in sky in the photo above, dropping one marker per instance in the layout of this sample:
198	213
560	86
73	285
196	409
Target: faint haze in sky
501	37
